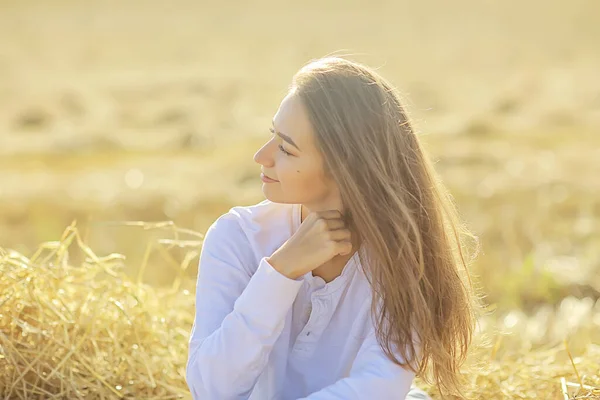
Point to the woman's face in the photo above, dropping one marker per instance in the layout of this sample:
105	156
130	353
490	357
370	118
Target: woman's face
299	172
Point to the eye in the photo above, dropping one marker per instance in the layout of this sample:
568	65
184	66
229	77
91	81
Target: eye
287	153
283	150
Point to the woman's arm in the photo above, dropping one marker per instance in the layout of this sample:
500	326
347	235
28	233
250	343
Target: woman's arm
373	376
239	315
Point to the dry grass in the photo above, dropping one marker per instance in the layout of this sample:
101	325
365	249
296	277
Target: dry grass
90	331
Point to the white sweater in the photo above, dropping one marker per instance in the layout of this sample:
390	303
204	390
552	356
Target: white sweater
262	336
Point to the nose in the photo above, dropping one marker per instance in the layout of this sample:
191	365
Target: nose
264	155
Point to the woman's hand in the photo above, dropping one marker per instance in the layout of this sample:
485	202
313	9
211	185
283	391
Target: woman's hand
321	236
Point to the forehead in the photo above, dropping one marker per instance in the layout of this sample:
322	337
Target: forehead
291	119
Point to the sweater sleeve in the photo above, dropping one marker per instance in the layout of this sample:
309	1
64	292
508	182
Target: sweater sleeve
373	376
239	315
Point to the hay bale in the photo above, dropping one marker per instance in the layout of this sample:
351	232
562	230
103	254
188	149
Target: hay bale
88	331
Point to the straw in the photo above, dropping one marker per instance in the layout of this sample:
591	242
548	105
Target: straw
90	331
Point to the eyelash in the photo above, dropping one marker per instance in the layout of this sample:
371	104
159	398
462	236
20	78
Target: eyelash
287	153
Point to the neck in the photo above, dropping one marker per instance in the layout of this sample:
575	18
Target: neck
333	268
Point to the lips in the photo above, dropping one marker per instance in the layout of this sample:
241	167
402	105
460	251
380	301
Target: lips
268	177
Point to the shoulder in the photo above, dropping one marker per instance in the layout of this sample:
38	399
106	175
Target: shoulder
265	216
250	232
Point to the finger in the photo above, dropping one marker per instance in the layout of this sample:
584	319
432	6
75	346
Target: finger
335	223
329	214
340	235
344	247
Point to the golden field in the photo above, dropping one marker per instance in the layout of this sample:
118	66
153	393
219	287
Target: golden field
122	115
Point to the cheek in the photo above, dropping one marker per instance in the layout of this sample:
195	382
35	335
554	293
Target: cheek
291	176
305	180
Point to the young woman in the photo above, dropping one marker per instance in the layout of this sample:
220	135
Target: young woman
347	281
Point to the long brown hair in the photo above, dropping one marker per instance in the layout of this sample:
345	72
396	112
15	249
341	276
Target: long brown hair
393	199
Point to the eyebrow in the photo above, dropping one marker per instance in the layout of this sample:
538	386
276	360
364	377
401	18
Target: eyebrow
286	138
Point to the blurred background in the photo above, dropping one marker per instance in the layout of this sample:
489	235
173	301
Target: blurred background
152	111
